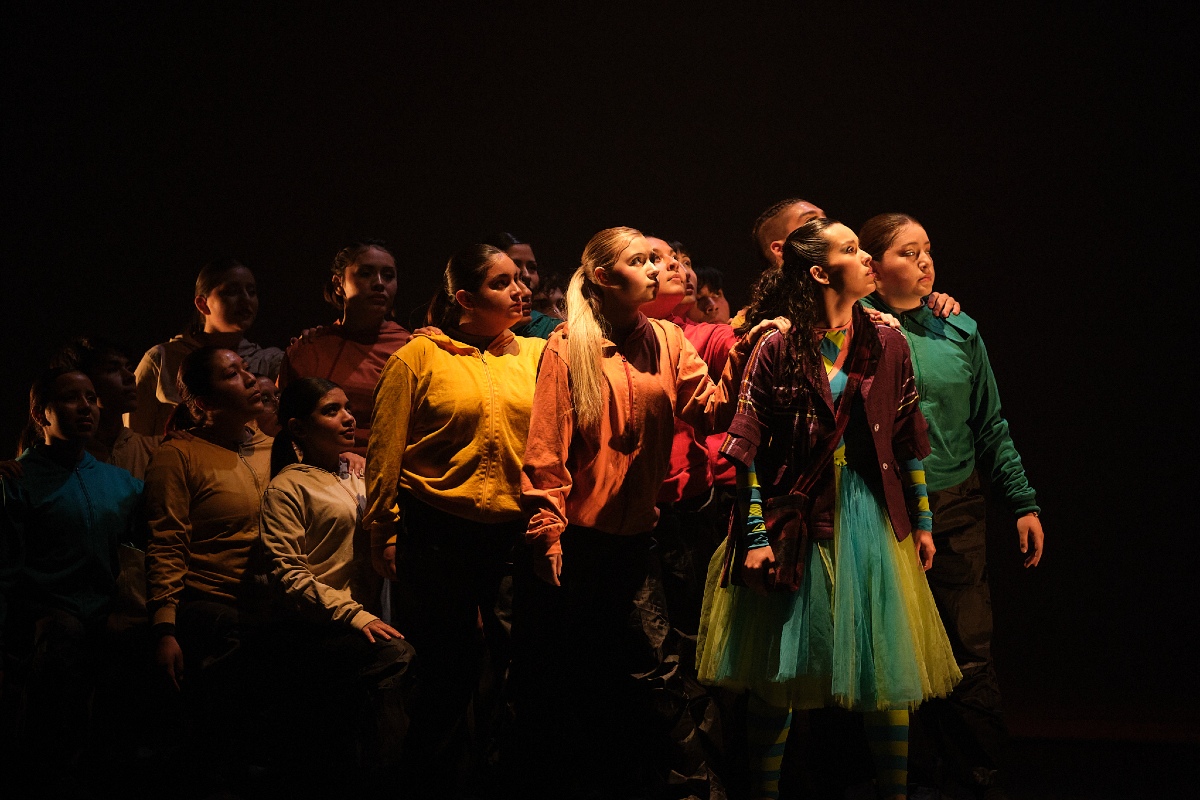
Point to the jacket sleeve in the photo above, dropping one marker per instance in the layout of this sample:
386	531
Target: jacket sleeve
754	400
910	433
148	372
545	479
395	399
283	528
707	406
994	449
168	516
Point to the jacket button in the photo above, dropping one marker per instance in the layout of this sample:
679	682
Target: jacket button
877	427
885	466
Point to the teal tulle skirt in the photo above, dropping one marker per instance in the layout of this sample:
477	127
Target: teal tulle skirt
862	632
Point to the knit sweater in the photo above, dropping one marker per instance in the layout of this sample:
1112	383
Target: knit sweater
202	508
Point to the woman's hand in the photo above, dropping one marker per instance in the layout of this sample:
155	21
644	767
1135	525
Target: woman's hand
943	305
781	324
379	628
356	465
1029	533
309	334
428	330
168	655
548	567
758	569
384	562
11	469
923	542
882	318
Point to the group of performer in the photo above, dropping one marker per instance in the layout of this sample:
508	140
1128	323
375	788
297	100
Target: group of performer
592	541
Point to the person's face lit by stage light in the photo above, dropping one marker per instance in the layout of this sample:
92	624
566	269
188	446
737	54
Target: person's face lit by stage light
72	409
849	270
115	384
500	302
904	273
369	284
522	256
232	305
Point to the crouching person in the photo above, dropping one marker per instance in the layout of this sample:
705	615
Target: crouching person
350	666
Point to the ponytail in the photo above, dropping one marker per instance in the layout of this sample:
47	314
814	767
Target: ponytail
586	326
584	341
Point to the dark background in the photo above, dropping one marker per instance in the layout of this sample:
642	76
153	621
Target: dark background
1046	151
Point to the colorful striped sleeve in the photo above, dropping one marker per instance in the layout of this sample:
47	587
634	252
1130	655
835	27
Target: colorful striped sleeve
918	494
754	534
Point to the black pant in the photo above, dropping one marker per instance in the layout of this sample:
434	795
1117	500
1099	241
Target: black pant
452	609
686	537
338	704
602	702
964	734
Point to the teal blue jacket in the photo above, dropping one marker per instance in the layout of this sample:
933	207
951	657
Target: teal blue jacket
59	531
961	403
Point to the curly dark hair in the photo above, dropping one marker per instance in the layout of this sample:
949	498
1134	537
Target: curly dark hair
790	291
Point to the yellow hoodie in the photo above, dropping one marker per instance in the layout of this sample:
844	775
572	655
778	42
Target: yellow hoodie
449	426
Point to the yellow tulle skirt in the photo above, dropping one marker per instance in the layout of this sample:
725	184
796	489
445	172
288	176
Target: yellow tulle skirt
862	632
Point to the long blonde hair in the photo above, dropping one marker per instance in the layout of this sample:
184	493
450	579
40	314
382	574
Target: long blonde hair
586	326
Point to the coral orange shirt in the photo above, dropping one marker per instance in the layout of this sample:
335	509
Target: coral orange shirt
609	478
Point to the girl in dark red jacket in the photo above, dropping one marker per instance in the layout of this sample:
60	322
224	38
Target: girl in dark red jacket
833	607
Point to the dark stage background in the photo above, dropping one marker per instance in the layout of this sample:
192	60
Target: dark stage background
1043	150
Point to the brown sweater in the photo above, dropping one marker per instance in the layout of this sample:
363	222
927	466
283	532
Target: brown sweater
202	509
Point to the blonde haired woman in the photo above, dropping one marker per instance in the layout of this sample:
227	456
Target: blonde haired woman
608	390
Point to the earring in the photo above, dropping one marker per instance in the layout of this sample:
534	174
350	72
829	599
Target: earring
299	453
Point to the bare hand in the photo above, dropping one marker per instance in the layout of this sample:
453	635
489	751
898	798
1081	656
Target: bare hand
548	568
356	465
168	655
943	305
428	330
781	324
923	542
882	318
1029	533
384	562
758	569
378	627
11	469
309	334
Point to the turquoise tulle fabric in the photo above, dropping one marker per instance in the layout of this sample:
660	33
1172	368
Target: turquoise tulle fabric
862	632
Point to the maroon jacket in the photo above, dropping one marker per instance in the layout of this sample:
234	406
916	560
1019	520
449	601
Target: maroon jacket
780	435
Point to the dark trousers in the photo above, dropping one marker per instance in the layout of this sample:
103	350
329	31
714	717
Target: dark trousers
603	706
962	740
685	539
337	706
451	607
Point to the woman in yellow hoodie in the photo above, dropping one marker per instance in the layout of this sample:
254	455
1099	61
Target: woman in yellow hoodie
443	493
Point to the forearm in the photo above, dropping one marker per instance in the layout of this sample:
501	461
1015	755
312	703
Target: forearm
917	495
754	527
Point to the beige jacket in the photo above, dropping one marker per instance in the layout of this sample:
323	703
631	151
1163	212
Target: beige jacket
318	549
